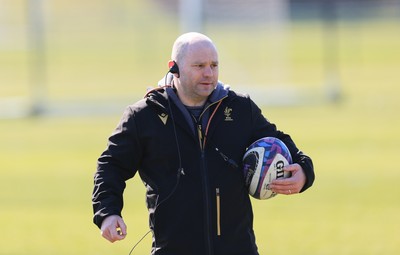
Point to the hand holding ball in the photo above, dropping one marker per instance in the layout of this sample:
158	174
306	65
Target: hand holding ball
263	162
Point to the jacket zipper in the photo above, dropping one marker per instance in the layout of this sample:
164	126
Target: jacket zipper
206	198
205	178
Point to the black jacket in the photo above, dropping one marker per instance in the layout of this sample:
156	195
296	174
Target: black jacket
197	201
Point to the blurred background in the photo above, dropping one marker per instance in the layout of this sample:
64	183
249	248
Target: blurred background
326	72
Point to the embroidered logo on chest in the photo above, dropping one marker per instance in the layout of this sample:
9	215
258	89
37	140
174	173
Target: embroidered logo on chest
227	113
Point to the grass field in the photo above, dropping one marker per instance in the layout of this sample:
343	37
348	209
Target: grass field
47	162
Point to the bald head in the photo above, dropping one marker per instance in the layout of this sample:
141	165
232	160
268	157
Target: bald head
197	59
187	42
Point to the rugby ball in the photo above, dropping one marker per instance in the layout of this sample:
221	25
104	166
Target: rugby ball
263	162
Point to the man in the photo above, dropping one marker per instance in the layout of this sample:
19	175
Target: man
186	141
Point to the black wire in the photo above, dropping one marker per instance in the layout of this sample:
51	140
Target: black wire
232	163
180	172
228	160
139	241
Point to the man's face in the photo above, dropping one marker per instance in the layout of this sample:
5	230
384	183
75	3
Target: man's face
198	73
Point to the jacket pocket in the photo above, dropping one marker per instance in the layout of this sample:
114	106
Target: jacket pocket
218	203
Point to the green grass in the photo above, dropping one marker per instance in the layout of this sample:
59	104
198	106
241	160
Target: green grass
47	163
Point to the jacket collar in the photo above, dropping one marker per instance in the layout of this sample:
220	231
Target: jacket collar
220	92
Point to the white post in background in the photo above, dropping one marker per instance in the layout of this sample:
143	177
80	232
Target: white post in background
191	15
278	19
2	29
37	59
331	51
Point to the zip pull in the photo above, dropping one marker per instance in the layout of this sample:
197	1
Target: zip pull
218	200
230	161
200	134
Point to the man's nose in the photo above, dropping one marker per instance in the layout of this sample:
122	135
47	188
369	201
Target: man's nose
208	71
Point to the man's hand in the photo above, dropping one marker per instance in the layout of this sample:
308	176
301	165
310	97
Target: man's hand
113	228
291	185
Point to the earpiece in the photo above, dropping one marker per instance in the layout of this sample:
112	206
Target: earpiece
173	67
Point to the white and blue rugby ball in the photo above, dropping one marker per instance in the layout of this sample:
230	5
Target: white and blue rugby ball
263	162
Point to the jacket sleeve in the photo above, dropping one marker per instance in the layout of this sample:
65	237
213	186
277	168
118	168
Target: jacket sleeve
116	164
263	128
